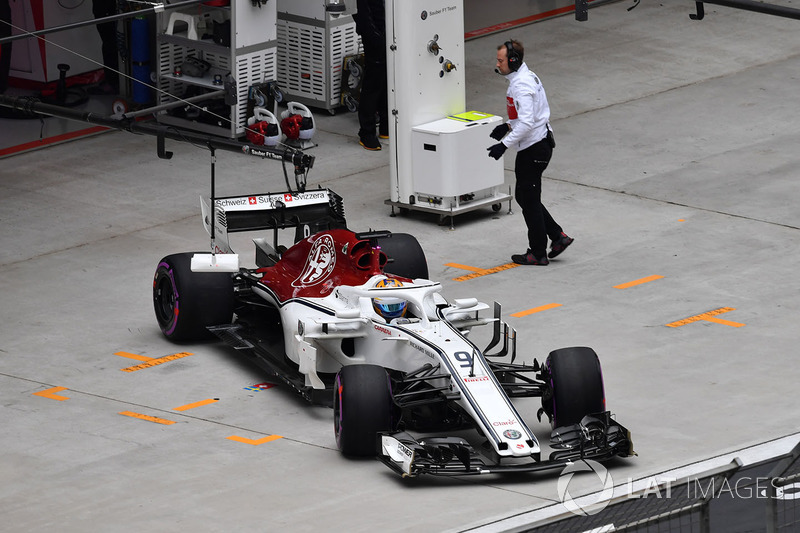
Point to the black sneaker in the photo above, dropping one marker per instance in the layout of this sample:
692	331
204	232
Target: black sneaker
370	143
528	259
560	245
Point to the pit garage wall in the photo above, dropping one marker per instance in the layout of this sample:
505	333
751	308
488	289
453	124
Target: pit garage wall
482	17
33	59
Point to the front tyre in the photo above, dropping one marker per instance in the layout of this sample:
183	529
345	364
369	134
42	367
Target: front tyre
576	385
362	407
187	302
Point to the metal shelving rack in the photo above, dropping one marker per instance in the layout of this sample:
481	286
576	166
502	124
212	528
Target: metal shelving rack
251	59
312	45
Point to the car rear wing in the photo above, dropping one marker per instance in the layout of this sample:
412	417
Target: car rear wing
308	212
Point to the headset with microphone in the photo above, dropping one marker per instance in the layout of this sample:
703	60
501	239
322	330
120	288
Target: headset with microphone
513	57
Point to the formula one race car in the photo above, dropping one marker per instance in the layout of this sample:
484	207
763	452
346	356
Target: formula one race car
351	320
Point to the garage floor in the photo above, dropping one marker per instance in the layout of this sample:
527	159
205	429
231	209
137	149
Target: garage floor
676	171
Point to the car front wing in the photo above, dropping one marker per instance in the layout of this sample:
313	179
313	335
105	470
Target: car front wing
598	437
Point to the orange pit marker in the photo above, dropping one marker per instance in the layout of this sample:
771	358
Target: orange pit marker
710	316
148	418
51	393
478	272
148	362
636	282
195	404
254	442
535	310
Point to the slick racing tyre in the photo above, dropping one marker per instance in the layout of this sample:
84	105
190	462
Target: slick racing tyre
406	257
362	407
576	385
187	302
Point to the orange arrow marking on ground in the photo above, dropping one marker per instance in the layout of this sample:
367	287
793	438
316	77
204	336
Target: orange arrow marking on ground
148	418
133	356
51	393
710	316
535	310
254	442
464	267
148	362
195	404
478	272
633	283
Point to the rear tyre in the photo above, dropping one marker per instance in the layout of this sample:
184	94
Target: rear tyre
406	257
187	302
576	385
362	407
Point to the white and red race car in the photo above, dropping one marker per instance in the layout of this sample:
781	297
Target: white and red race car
351	320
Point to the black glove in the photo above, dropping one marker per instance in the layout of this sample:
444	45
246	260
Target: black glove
500	131
497	150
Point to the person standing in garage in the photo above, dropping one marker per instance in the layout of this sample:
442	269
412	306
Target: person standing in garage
528	131
108	37
371	26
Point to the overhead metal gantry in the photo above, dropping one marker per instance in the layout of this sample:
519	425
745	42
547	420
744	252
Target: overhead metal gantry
582	8
749	5
301	161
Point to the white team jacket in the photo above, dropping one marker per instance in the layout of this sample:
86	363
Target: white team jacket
528	110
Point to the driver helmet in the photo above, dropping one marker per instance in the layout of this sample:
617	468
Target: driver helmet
389	308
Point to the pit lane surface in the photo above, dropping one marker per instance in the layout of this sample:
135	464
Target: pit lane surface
675	170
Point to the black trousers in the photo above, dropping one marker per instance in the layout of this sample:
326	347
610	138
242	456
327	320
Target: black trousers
528	168
108	36
373	98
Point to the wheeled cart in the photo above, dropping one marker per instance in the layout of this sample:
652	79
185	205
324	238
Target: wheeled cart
451	173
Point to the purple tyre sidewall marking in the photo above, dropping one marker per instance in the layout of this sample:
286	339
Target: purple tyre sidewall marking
338	421
169	271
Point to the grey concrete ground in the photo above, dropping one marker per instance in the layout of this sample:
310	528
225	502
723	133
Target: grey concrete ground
677	157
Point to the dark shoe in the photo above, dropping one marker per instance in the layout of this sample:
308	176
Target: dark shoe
383	136
560	245
370	143
528	259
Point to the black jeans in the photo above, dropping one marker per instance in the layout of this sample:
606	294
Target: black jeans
528	167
